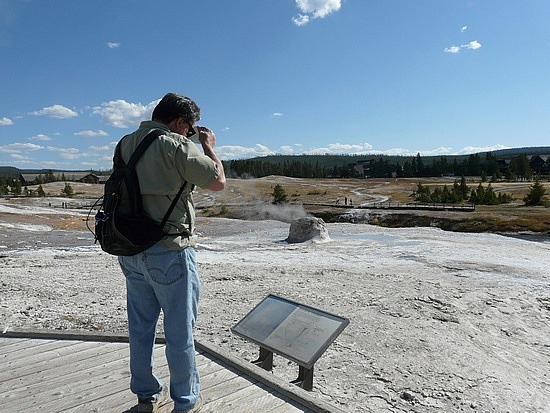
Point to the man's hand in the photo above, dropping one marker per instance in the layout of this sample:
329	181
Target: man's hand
206	136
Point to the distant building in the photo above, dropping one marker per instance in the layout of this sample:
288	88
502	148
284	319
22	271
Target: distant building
363	167
82	177
103	178
504	165
539	163
35	179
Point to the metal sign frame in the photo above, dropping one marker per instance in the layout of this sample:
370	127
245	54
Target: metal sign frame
296	331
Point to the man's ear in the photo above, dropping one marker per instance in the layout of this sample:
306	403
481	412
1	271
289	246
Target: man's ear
173	125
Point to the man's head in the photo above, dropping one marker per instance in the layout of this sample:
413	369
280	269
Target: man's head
178	112
173	106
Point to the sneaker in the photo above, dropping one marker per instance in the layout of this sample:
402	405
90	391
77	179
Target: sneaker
152	404
195	409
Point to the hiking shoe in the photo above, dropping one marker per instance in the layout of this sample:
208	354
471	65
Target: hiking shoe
195	409
152	404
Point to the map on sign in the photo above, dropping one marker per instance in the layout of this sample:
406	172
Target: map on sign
297	331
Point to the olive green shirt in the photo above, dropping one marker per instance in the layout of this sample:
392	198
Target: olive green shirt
169	162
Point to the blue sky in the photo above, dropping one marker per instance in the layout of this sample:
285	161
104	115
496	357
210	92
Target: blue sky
274	76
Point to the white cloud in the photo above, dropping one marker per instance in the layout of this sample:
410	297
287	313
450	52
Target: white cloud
300	20
319	8
112	45
393	151
40	137
473	45
19	157
122	114
477	149
277	114
65	153
56	111
105	148
452	49
6	122
350	148
341	148
19	147
90	133
262	148
258	150
442	150
314	9
242	152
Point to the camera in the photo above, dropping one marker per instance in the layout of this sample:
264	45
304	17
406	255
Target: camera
193	134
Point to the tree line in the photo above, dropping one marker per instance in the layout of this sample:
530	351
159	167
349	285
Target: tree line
13	186
460	192
301	167
480	195
485	165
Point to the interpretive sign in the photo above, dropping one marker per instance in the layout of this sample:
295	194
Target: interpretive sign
296	331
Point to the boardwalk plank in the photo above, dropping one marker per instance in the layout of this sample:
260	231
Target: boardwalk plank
85	386
289	407
82	361
123	400
208	368
44	361
106	395
59	377
75	375
225	388
216	377
39	348
251	399
7	345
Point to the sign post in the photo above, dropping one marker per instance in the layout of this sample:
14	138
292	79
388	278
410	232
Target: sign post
296	331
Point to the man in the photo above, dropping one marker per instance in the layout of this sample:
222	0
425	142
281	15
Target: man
165	275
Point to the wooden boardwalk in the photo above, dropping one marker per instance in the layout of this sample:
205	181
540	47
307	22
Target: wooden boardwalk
403	206
78	372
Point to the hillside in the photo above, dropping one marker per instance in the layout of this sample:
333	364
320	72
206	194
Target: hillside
329	161
341	160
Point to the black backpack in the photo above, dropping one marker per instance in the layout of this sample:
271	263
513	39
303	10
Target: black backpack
134	232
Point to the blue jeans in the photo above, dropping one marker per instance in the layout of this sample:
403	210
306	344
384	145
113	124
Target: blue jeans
161	279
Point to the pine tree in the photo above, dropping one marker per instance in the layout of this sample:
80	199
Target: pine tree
279	195
521	167
16	188
422	194
463	188
536	194
68	190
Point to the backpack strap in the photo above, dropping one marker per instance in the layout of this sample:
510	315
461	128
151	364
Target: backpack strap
132	179
142	147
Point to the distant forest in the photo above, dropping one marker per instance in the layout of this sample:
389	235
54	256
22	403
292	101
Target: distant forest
508	164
